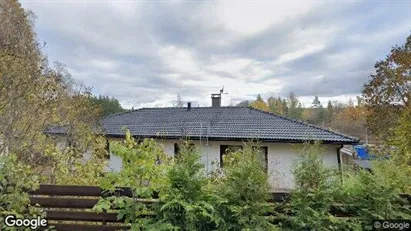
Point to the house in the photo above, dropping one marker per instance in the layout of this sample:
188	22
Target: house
214	130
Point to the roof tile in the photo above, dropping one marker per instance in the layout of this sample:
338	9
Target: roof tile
217	122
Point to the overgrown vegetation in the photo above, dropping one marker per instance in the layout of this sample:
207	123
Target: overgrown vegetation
186	201
235	197
73	166
36	96
374	196
362	195
144	166
108	105
349	118
16	180
244	188
388	91
317	189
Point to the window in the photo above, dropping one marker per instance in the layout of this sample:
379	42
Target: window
176	149
227	149
263	152
107	149
178	146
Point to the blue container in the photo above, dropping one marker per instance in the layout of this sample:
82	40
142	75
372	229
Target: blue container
362	152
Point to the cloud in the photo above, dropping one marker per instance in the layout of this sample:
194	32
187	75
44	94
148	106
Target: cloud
145	53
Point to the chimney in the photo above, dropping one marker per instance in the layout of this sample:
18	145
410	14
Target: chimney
188	106
216	100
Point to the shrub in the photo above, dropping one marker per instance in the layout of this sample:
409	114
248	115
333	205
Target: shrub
375	196
75	166
144	166
185	202
400	148
316	190
244	189
16	180
362	195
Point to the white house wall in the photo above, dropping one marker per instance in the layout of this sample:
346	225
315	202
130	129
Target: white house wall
280	158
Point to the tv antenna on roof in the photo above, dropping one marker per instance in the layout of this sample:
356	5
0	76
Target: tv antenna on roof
222	91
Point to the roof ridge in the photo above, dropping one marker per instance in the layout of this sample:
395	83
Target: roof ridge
120	113
144	108
307	124
192	107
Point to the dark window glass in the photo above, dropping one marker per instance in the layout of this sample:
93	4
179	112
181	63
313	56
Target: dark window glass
108	149
227	149
177	148
263	152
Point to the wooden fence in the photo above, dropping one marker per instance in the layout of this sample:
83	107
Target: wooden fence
70	207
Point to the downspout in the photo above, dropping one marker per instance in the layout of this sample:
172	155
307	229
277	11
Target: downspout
339	161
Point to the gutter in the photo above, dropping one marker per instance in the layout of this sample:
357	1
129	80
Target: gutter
339	161
233	139
339	156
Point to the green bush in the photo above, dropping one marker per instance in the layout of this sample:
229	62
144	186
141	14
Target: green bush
375	196
235	197
186	202
316	191
244	189
364	196
74	165
16	180
144	167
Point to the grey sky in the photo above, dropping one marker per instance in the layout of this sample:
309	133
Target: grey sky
146	52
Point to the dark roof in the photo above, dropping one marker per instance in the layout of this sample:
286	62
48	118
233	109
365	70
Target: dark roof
215	123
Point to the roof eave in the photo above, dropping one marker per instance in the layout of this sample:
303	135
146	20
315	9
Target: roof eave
353	142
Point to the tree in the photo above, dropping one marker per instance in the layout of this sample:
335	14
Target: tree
186	203
259	98
351	120
374	195
330	112
144	166
35	96
401	139
388	91
318	112
244	189
17	36
307	115
292	101
277	105
272	105
260	104
107	105
284	107
294	107
20	59
179	101
338	106
360	101
315	192
316	102
244	103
